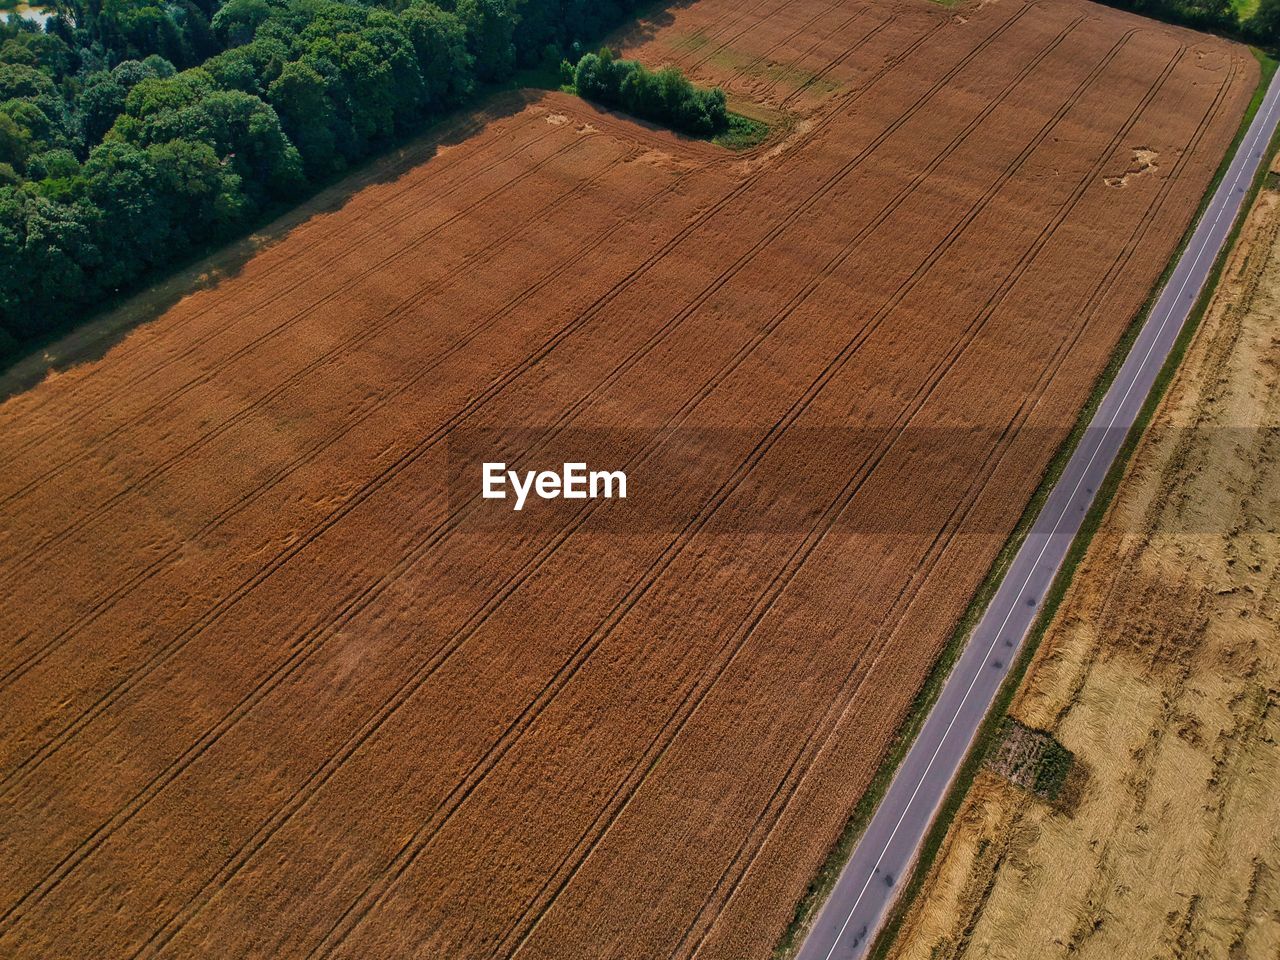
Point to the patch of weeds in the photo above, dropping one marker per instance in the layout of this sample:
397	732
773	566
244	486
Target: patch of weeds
1055	767
1031	759
742	133
690	41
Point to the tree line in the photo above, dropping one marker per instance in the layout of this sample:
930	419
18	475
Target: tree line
1261	26
133	132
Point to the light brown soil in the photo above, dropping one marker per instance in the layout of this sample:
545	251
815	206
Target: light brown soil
272	687
1162	673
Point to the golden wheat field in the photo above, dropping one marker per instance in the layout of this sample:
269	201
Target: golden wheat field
273	684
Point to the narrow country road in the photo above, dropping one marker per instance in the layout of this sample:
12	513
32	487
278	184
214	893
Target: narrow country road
851	917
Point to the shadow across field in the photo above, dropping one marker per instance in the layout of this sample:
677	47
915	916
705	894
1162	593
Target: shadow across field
649	22
86	341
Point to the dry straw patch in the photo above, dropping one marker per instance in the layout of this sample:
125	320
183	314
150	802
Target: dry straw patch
1162	674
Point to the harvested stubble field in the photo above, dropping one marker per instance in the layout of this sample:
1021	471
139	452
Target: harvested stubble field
1161	672
272	686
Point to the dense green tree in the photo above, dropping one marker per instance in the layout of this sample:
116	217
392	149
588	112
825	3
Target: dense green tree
359	83
250	67
666	95
18	80
11	51
241	129
158	95
490	26
199	37
102	98
59	163
1264	25
119	183
299	96
132	72
43	131
1205	14
101	101
585	19
385	32
197	194
49	262
141	27
237	21
44	51
440	43
15	142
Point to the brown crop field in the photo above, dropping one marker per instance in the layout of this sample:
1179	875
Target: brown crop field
1161	672
276	682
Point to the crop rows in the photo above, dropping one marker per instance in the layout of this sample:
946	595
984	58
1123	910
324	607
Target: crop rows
276	688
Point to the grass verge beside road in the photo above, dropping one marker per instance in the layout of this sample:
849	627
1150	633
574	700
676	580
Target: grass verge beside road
820	887
995	718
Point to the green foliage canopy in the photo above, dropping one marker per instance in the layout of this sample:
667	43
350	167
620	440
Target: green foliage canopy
665	95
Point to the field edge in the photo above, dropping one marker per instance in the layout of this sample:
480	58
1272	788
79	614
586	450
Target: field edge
829	871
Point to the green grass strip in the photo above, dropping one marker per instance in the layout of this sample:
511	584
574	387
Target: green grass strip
990	728
820	887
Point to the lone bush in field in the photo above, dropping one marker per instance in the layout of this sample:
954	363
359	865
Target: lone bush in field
665	96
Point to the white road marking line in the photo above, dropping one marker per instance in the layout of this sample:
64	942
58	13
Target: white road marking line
1242	156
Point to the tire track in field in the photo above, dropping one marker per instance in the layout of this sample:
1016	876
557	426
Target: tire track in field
52	880
746	628
338	231
471	787
851	686
309	454
410	456
338	351
415	682
712	54
793	67
712	32
689	46
760	58
149	413
790	99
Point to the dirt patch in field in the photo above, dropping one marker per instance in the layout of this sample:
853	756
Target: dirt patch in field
272	685
1144	161
1162	673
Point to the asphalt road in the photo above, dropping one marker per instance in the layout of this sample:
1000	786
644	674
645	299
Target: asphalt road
871	880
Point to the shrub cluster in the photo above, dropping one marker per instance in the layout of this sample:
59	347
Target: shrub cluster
664	96
135	131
